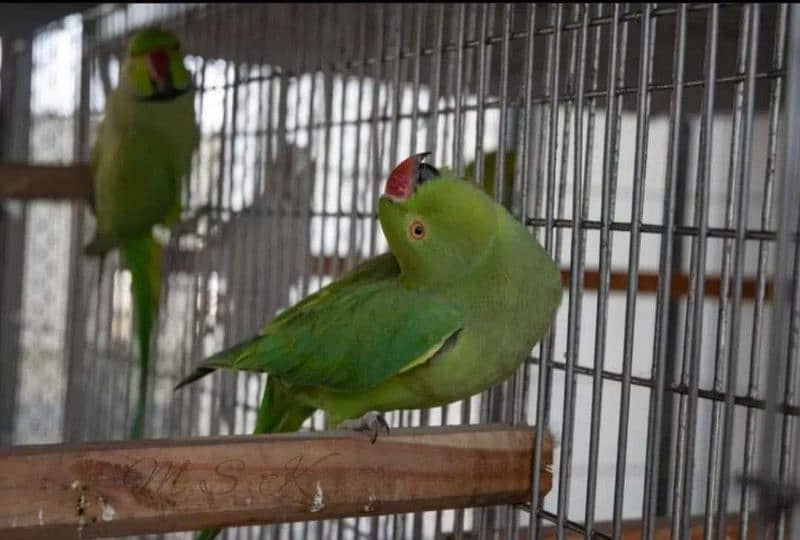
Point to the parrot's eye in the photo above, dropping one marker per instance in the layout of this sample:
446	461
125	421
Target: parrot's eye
425	172
416	230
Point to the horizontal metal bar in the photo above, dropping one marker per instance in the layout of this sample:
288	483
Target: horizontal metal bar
745	401
123	488
631	528
74	182
467	44
652	228
620	226
494	102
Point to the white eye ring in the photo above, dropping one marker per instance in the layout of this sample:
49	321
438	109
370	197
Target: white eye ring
416	230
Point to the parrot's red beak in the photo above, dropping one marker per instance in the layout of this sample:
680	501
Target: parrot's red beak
158	66
403	180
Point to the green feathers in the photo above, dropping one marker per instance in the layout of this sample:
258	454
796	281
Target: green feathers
142	257
151	39
308	346
139	161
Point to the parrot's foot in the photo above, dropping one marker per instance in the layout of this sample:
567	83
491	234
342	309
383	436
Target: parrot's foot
188	222
161	234
372	422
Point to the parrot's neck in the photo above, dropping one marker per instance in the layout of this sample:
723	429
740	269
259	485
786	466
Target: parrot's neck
160	115
501	280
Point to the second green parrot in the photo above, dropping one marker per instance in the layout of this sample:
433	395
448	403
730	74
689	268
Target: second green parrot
142	155
454	308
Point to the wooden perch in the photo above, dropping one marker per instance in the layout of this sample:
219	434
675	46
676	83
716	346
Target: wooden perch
125	488
23	181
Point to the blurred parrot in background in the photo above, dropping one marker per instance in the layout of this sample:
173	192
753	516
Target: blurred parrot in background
142	155
489	176
455	307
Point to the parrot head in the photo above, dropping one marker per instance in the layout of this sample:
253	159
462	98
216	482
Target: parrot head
438	225
153	69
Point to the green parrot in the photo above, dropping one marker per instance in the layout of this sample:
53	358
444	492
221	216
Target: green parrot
454	308
142	155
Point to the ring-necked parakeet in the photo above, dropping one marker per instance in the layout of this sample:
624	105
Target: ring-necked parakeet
454	308
142	154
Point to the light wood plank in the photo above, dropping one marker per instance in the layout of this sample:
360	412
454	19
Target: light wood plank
122	488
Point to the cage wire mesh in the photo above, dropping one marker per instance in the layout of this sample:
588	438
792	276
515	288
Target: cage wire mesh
644	142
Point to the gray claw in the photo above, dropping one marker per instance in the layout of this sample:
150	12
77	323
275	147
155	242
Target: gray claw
372	422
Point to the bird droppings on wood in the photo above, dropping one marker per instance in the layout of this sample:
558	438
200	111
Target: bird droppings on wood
317	504
370	506
80	506
107	511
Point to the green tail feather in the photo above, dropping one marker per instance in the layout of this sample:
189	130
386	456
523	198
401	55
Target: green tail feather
223	359
278	414
142	257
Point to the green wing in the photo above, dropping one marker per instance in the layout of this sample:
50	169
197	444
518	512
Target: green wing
349	336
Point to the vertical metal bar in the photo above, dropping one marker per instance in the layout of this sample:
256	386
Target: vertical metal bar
761	272
741	230
74	336
355	222
483	72
307	213
257	219
693	337
267	228
218	192
397	32
229	265
201	270
721	338
508	403
462	81
605	260
561	190
375	147
788	457
542	396
787	194
527	127
418	517
485	517
664	277
432	133
327	40
458	128
594	70
374	131
575	293
450	88
242	261
553	190
415	105
187	400
500	161
611	147
340	220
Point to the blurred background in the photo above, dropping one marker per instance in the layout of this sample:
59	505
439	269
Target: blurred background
667	121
